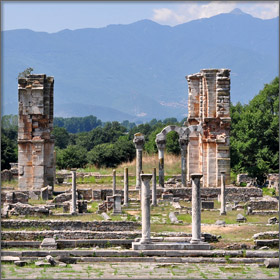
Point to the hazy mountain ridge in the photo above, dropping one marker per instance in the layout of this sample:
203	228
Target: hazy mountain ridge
137	71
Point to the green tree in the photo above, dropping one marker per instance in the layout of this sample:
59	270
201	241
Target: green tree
71	157
254	134
103	155
61	137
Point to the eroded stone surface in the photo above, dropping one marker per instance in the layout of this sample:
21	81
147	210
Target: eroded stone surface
36	167
208	105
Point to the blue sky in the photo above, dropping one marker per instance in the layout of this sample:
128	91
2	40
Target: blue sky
55	16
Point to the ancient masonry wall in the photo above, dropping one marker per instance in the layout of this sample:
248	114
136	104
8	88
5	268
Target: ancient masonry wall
209	105
35	123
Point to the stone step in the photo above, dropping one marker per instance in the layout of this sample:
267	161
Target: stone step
165	260
143	253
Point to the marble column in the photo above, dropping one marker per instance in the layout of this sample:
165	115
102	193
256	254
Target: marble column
154	188
114	182
196	208
184	146
145	208
74	197
161	143
125	182
138	141
223	194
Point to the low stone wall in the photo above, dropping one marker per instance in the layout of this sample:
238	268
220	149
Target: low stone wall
263	204
72	225
64	234
232	193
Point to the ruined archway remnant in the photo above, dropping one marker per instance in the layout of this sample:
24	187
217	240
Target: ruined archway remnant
209	106
138	141
183	133
35	123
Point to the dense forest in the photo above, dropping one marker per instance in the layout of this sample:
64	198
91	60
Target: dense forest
87	140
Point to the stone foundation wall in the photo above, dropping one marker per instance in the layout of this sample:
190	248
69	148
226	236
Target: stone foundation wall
64	234
72	225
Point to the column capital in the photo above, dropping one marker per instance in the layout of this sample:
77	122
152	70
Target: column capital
146	177
139	140
161	143
196	175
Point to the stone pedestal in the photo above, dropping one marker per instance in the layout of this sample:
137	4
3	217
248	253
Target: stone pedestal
223	194
138	141
74	193
114	182
196	209
125	182
117	208
154	188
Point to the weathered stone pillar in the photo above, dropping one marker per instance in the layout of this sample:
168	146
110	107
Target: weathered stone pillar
154	188
145	206
74	198
35	123
184	146
114	182
138	141
196	208
223	193
125	182
161	143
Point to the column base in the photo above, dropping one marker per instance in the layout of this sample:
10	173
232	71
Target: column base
170	246
125	205
223	213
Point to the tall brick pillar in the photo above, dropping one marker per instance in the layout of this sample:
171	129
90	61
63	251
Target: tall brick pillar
35	123
208	105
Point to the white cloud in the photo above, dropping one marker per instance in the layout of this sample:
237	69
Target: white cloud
196	10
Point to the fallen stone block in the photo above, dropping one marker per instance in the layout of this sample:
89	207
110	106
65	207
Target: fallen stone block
173	218
273	221
62	197
240	218
42	263
266	235
9	258
105	216
207	204
272	263
51	260
21	263
67	260
48	243
220	223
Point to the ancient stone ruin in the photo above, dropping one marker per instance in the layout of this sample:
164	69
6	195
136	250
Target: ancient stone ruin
35	123
208	105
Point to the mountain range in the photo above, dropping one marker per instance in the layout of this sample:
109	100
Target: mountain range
137	71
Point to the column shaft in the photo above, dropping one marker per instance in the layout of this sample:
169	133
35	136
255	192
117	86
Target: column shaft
196	208
114	182
223	193
74	198
184	166
125	181
161	167
138	167
154	187
145	206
